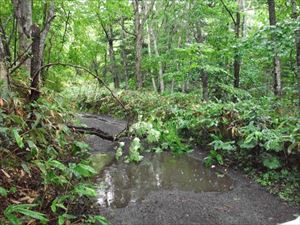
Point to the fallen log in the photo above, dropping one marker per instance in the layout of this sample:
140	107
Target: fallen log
95	131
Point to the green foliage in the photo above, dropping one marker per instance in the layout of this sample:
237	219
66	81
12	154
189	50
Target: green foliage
24	209
3	192
258	134
37	142
134	151
119	150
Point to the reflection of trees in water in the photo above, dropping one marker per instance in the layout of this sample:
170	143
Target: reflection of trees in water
132	182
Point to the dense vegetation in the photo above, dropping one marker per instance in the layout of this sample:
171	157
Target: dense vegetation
222	75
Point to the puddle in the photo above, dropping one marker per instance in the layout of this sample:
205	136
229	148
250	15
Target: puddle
100	161
121	184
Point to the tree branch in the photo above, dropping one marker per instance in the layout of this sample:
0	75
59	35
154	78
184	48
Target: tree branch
229	12
125	30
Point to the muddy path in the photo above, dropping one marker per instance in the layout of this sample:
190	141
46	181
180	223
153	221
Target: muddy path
176	190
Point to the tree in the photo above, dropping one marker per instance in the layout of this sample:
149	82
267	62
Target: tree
110	39
277	87
237	30
142	11
297	42
23	14
32	39
3	71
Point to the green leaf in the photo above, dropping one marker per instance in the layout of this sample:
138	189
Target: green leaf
33	148
64	217
84	170
25	210
57	164
18	138
3	192
59	203
102	220
85	190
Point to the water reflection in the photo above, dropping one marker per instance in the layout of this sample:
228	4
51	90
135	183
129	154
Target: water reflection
123	183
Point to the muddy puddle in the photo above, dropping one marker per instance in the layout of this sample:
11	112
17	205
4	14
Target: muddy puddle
121	183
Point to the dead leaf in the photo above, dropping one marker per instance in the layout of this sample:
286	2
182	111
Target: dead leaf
27	199
15	201
1	102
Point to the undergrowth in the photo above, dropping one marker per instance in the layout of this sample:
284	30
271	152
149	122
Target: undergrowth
260	135
44	167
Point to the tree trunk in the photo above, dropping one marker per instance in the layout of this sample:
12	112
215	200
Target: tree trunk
205	86
36	63
5	42
160	67
237	58
3	72
298	61
244	18
113	64
172	86
141	14
138	43
276	60
138	58
124	57
23	13
150	55
297	41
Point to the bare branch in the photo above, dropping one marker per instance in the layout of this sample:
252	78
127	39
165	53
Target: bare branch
125	30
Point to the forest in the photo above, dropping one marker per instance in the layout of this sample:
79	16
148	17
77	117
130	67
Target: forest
152	82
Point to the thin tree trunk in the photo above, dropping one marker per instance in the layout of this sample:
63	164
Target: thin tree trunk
244	18
160	67
108	30
237	58
172	86
138	43
138	58
5	42
298	61
23	13
124	57
105	67
204	75
205	85
113	64
3	72
276	60
141	14
297	41
150	55
36	63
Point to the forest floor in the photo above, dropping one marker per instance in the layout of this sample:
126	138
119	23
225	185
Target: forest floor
246	203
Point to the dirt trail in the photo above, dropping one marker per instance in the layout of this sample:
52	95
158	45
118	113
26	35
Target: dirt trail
246	204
